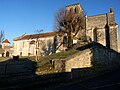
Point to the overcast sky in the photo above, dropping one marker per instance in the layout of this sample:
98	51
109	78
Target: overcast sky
18	17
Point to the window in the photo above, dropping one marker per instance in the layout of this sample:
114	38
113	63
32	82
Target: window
20	53
95	34
76	10
65	41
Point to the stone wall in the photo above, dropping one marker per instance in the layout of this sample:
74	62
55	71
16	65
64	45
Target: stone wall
104	58
113	38
96	28
92	55
106	30
110	17
59	64
98	21
82	59
24	48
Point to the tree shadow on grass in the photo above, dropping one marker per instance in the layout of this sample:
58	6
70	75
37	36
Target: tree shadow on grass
14	68
21	74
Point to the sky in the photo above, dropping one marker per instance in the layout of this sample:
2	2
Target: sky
18	17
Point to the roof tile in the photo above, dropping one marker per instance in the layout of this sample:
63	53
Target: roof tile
34	36
6	41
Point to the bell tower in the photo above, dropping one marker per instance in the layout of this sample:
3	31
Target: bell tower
74	8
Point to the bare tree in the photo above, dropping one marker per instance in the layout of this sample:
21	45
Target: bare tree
69	22
38	31
2	35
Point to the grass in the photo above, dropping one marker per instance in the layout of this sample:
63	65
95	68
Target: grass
60	55
44	66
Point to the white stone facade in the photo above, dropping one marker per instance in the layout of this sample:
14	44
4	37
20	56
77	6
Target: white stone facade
31	45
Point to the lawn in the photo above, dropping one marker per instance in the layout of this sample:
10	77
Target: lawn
60	55
44	66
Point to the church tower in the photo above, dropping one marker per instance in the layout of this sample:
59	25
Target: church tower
5	43
74	8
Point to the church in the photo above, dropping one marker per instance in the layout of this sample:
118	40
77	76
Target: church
98	28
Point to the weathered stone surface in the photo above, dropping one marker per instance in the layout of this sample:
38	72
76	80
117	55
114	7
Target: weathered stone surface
79	60
93	55
95	21
106	30
59	65
113	38
100	28
105	58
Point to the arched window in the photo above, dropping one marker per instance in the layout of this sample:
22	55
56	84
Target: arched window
95	34
65	41
20	53
55	40
55	43
7	54
2	54
76	10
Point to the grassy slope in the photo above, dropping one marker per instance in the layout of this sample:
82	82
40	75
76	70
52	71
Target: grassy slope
44	66
60	55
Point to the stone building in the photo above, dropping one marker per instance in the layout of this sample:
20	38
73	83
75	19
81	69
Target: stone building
100	46
103	29
93	56
99	28
6	50
34	44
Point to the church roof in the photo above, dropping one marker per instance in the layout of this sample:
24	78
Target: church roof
34	36
6	41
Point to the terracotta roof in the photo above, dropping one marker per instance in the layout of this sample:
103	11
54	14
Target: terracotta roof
34	36
6	41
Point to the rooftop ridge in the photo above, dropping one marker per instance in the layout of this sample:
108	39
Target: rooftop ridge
6	41
33	36
98	14
73	4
